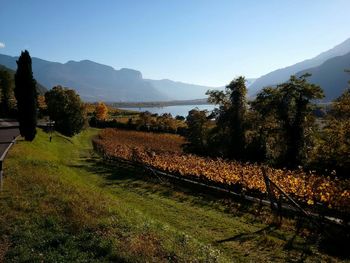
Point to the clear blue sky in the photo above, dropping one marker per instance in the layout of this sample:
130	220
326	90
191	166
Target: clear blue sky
197	41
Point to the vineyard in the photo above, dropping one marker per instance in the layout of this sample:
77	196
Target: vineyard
163	152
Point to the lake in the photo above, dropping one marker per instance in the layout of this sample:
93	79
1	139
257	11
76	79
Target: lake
181	110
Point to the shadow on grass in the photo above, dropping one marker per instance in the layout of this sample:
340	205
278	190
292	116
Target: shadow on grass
141	181
247	236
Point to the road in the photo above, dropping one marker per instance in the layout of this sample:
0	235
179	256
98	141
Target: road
8	131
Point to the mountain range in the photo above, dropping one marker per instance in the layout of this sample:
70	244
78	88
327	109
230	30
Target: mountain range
98	82
327	70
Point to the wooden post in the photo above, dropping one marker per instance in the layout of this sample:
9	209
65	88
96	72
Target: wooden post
273	201
1	176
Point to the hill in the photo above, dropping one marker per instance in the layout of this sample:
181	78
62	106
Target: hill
331	76
281	75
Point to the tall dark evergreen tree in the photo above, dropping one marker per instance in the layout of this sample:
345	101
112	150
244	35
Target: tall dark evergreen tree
237	116
26	96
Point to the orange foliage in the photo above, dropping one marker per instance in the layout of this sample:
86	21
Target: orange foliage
101	111
163	152
41	102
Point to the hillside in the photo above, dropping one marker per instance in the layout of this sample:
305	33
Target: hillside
40	88
331	76
94	81
281	75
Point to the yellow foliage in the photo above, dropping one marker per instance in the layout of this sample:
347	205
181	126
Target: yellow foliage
42	103
101	111
163	152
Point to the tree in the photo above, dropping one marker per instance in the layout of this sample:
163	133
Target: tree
291	105
333	150
230	117
101	111
237	114
26	96
7	100
66	109
145	120
197	123
42	106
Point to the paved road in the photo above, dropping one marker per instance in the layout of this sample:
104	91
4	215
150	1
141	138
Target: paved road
8	130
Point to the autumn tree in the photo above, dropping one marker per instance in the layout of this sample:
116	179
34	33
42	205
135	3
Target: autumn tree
65	107
42	106
101	111
26	96
144	121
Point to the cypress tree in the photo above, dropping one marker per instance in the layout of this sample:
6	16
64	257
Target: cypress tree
237	114
26	96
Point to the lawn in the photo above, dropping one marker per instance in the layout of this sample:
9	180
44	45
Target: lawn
61	203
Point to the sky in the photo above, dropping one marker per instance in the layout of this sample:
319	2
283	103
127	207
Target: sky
206	42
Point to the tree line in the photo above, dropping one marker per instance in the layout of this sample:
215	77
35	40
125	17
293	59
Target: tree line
283	126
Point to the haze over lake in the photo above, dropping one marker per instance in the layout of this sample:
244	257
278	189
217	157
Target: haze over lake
181	110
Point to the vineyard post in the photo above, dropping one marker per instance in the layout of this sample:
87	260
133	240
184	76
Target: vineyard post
273	202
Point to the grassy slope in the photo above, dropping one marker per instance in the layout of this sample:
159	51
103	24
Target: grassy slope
61	204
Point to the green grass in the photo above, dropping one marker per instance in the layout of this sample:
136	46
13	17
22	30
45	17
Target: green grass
61	203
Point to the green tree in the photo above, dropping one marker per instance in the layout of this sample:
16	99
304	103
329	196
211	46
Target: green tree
237	114
66	109
230	118
7	100
290	105
26	96
197	131
333	149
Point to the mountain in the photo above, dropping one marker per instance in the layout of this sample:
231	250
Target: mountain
40	88
94	81
281	75
331	76
91	80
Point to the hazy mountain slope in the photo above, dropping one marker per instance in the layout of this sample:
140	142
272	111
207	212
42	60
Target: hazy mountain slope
92	81
281	75
178	90
40	88
331	76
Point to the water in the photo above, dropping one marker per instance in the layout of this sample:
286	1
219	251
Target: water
181	110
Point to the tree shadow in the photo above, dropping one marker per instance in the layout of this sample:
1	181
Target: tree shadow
144	182
132	176
243	237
